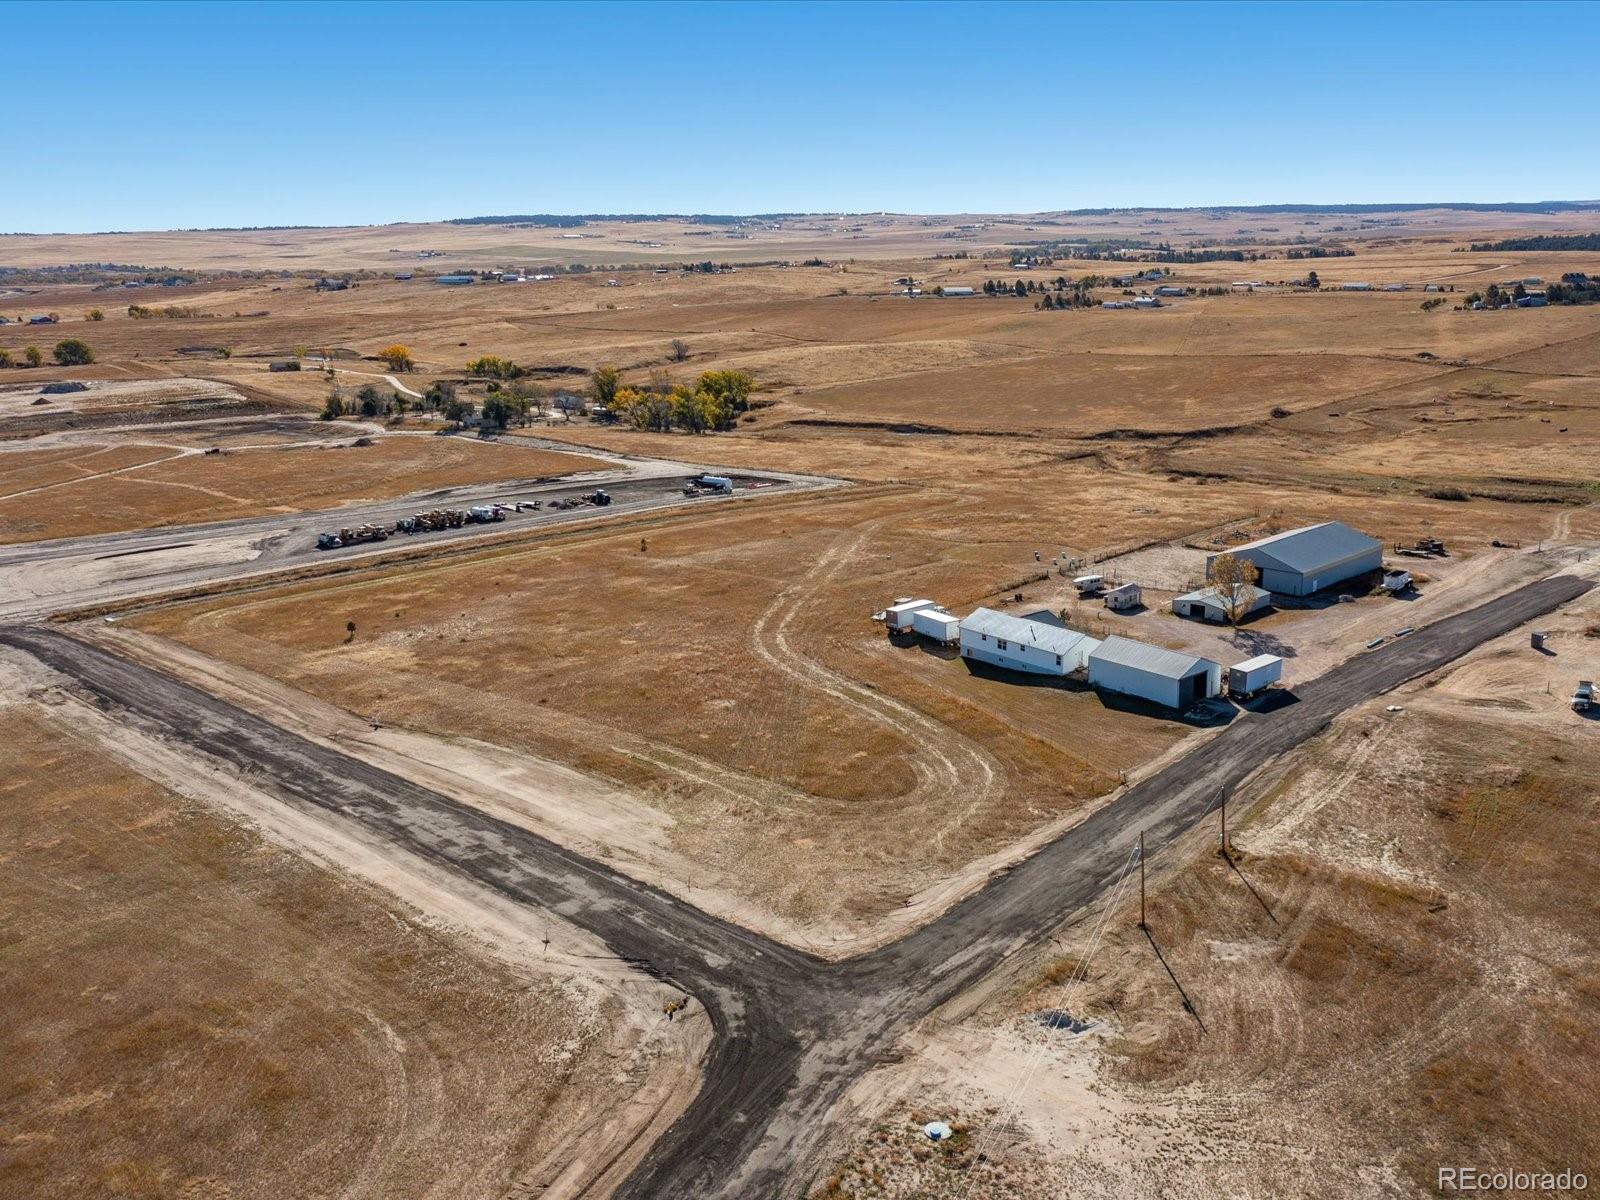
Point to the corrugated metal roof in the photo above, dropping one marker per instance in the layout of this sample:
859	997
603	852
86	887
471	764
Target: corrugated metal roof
1314	546
1212	595
1157	660
1023	631
1256	663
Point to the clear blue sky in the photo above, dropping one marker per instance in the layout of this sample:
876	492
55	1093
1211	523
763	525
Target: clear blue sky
144	116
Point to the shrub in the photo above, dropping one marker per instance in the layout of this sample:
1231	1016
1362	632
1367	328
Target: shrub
1446	493
72	352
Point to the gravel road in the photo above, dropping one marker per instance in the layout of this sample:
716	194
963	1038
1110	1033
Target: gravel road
792	1031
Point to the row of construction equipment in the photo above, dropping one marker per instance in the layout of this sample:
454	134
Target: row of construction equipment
451	518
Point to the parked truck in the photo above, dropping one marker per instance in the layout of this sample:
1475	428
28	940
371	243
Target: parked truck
1583	697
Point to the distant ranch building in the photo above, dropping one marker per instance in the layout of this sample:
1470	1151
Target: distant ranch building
1303	561
1153	673
1023	644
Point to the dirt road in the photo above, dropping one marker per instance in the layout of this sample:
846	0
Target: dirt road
793	1031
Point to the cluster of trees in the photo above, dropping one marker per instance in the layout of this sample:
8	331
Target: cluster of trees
1544	241
70	352
714	402
1575	287
492	366
1320	252
173	312
398	357
1075	297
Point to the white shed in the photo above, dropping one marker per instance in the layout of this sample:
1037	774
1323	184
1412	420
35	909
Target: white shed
1126	596
1167	677
1209	604
936	625
897	617
1023	644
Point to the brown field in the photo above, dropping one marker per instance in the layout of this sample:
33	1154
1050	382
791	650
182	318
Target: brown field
192	1011
1399	974
701	698
69	494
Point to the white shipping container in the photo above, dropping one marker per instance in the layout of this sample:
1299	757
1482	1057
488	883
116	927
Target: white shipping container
1250	676
898	616
936	624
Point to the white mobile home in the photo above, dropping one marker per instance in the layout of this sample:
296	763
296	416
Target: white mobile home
936	625
1167	677
1022	644
1303	561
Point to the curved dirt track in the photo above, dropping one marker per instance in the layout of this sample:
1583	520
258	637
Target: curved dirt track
792	1030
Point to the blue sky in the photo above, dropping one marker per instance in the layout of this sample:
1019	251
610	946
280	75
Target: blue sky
144	116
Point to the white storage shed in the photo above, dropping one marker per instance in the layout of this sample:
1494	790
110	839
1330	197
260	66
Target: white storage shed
1167	677
1209	604
1021	644
1128	595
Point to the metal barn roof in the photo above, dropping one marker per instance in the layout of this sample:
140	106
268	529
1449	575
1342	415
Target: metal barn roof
1247	592
1156	660
1314	546
1055	639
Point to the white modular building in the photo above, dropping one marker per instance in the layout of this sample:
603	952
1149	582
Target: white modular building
1303	561
1154	673
1023	644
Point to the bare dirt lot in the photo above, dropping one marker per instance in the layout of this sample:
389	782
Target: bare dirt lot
187	1003
96	488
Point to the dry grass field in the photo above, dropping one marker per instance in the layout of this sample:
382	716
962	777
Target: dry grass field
192	1011
700	696
92	488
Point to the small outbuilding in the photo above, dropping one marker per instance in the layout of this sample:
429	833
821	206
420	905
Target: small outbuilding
1122	598
1209	604
1303	561
1023	644
956	292
1154	673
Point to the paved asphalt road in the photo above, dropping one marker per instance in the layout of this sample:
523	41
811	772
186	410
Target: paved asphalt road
38	578
793	1031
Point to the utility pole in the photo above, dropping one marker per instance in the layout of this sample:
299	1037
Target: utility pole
1142	924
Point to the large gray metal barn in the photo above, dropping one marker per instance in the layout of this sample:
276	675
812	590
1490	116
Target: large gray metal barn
1307	560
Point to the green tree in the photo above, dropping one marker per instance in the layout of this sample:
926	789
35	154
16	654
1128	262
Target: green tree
456	409
731	387
33	356
96	315
333	407
491	366
73	352
371	401
439	395
5	358
603	385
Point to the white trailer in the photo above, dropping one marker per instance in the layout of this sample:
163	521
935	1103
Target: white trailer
1253	674
936	625
1089	585
898	616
